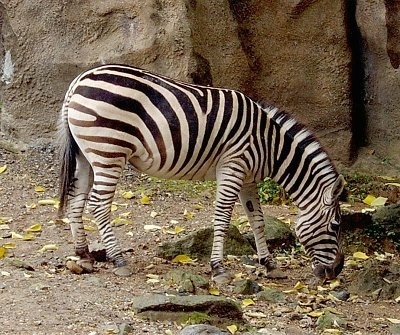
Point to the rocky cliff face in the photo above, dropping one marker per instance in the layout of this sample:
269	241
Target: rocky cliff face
295	54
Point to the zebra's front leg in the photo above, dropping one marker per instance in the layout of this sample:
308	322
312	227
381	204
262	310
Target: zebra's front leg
251	205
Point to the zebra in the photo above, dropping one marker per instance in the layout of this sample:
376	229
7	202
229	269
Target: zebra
115	114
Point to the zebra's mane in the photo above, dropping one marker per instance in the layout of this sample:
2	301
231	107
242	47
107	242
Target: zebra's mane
298	133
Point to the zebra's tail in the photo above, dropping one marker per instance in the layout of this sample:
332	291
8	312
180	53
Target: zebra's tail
68	149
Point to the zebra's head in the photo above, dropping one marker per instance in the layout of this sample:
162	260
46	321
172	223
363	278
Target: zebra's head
318	229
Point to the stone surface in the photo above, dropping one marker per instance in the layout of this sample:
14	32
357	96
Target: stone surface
199	243
186	281
271	295
246	287
214	310
202	330
331	320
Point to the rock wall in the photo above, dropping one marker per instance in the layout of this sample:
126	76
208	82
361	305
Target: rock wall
295	54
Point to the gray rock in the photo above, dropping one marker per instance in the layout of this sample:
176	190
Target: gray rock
186	281
341	295
215	310
246	287
395	329
271	295
202	330
278	234
199	245
329	320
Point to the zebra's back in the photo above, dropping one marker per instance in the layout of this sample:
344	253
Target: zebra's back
164	127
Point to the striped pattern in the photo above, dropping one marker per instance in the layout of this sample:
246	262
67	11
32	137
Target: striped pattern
117	114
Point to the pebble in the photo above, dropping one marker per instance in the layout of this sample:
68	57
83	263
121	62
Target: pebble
341	295
202	330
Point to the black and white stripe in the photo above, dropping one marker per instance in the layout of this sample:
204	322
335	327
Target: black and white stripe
115	114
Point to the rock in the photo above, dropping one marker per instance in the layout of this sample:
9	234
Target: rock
202	330
125	329
246	287
186	281
199	244
20	264
212	309
278	234
377	280
330	320
341	295
271	295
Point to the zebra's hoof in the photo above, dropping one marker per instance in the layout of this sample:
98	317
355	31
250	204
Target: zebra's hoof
122	271
222	278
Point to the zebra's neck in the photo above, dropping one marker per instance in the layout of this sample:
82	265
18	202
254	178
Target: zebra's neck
298	161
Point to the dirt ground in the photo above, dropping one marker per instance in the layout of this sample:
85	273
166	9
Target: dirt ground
52	300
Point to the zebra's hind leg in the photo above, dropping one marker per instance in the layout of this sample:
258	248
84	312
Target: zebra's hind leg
78	195
105	181
251	205
229	183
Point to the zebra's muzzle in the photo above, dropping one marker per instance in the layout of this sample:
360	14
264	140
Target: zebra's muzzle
329	272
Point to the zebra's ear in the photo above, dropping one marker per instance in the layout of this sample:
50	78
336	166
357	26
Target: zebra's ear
337	188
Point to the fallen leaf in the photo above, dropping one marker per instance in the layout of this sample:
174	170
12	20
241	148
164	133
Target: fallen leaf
16	236
5	273
397	299
316	314
360	255
28	237
48	247
214	291
144	199
37	227
177	230
247	302
395	321
379	202
188	215
89	227
114	207
40	189
153	214
4	227
119	221
258	315
393	184
369	199
173	222
4	219
152	227
3	168
232	329
182	259
9	245
334	283
128	195
332	331
48	202
3	252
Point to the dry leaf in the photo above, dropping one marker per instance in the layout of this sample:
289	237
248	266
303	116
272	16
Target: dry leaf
9	245
316	314
152	227
89	227
214	291
153	214
177	230
395	321
4	227
127	195
379	202
393	184
182	259
48	247
114	207
144	199
3	168
37	227
16	236
247	302
332	331
28	237
360	255
397	299
48	202
232	329
188	215
3	252
40	189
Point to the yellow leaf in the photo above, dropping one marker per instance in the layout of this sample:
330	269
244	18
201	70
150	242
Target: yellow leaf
188	215
16	236
395	321
89	227
46	202
334	284
369	199
3	168
128	195
28	237
247	302
119	221
3	252
351	263
4	227
144	199
332	331
48	247
151	227
316	314
397	299
232	329
213	291
177	230
114	207
153	214
39	189
182	259
37	227
379	202
360	255
9	245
